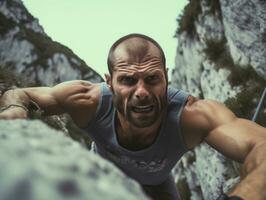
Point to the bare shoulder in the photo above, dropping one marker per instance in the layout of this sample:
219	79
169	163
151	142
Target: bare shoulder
200	117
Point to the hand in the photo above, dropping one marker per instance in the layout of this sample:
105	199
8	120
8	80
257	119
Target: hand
14	113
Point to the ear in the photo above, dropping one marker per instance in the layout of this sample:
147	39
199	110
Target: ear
166	74
108	80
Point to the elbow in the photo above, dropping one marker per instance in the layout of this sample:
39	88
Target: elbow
256	157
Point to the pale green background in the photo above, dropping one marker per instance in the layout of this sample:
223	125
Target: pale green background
89	27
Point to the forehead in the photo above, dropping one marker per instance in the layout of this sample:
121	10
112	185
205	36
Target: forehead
136	49
137	57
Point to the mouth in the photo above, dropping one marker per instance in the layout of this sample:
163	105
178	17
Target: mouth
142	109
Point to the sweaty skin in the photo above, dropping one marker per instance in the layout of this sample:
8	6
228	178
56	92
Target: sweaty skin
139	93
139	86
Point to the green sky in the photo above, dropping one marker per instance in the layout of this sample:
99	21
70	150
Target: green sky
89	27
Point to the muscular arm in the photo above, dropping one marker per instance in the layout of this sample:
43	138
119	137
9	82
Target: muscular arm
239	139
78	98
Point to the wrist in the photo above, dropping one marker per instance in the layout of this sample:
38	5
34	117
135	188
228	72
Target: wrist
2	109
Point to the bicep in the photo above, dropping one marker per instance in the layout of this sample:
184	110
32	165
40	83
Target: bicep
236	138
213	122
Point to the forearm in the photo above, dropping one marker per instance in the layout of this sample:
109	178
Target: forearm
253	178
14	96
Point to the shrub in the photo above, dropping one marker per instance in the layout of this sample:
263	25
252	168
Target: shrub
245	102
186	22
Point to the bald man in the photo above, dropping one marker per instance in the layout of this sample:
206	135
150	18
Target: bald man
144	126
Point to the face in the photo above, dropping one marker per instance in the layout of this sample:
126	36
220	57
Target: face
139	88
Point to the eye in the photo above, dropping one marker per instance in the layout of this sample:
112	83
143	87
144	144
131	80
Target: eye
152	78
128	80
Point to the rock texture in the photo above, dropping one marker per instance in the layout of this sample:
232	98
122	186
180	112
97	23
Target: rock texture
27	50
220	55
39	163
36	161
29	57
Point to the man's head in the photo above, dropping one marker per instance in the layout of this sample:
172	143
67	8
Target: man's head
143	40
138	79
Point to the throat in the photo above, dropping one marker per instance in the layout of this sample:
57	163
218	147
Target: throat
136	139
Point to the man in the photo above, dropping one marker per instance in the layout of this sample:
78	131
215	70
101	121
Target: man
143	126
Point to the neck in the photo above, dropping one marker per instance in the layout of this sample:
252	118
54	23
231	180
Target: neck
135	138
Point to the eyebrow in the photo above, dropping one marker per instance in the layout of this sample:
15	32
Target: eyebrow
154	72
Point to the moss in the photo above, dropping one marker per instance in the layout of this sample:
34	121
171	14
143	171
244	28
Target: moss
183	189
215	7
186	21
19	6
217	52
244	104
215	49
5	24
45	48
10	79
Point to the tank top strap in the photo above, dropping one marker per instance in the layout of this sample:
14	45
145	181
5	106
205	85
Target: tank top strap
105	104
177	100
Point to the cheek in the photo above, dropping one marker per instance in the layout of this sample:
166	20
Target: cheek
120	98
161	96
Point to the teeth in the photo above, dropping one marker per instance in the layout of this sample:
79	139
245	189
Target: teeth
142	108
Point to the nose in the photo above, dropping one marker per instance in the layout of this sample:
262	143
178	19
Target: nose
141	92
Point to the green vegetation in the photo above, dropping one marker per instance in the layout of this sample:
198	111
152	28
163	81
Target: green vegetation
10	79
245	102
5	24
215	7
44	46
186	21
183	189
243	105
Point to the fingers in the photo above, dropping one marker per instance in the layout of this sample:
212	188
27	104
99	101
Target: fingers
13	113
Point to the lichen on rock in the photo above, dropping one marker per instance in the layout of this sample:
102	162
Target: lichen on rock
220	55
40	163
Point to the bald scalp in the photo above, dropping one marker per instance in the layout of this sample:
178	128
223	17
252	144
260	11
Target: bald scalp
135	47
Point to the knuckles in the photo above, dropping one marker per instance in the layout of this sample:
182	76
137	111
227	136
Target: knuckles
10	115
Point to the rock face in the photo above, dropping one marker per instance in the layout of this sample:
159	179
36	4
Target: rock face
27	50
220	55
36	161
28	57
39	163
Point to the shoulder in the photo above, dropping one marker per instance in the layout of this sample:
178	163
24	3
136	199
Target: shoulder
200	117
211	110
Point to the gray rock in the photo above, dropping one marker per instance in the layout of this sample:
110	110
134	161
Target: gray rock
27	50
39	163
245	29
220	55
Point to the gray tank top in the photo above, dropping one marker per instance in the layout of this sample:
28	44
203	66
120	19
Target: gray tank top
150	166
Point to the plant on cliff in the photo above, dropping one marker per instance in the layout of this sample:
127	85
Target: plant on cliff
245	102
186	21
44	46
